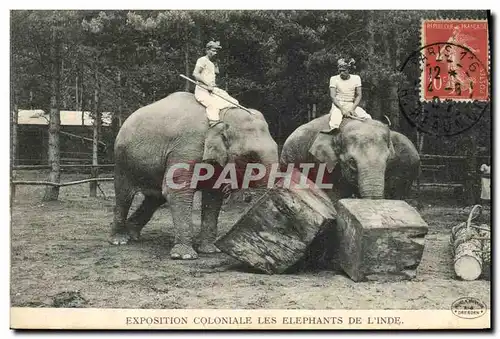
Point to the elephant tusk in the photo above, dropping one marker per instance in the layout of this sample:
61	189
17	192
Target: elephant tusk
388	121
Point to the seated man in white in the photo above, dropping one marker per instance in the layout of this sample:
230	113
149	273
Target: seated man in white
205	73
345	91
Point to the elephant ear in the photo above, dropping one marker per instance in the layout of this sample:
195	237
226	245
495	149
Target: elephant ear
322	149
215	149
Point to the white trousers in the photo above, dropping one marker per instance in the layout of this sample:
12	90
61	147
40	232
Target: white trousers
485	189
212	102
336	115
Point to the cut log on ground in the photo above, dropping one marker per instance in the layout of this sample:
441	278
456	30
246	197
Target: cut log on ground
470	245
274	233
379	238
467	249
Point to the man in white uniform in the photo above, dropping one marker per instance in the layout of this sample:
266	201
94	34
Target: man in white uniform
345	91
205	73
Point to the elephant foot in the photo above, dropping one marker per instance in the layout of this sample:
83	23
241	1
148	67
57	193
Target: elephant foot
119	239
135	234
183	252
208	248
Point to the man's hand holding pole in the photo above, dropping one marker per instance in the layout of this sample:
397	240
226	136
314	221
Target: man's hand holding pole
210	89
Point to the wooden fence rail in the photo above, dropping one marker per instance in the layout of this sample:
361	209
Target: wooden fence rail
446	161
62	184
14	183
468	180
42	167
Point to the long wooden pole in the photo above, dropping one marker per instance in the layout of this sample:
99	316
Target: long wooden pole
80	137
198	84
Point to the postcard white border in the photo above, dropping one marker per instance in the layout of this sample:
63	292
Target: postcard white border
240	319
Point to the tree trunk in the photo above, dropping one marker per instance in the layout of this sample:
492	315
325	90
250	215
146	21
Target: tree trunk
393	54
82	99
420	142
95	140
471	177
374	98
485	234
63	87
186	62
54	152
279	140
13	148
76	93
226	76
120	106
314	113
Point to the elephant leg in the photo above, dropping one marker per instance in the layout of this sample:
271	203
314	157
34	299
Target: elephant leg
143	214
211	205
180	202
403	190
397	188
124	195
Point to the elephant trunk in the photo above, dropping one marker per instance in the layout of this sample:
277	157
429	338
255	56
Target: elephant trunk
266	156
270	157
371	182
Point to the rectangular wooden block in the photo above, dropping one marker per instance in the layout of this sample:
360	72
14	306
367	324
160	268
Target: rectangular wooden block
379	238
274	233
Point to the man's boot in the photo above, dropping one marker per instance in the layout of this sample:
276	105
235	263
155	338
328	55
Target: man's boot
329	131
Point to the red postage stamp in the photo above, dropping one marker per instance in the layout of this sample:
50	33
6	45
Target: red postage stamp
456	54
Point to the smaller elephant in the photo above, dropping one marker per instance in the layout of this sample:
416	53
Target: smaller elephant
365	158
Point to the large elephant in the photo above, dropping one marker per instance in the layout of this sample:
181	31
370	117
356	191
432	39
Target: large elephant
364	158
175	131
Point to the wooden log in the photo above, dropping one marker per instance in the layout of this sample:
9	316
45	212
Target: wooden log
467	252
379	239
485	237
275	232
467	261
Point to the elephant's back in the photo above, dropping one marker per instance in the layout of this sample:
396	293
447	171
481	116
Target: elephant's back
152	132
179	109
177	114
296	146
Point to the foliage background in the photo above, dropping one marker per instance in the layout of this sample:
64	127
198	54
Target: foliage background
278	62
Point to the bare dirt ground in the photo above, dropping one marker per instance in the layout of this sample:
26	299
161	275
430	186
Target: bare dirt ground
60	257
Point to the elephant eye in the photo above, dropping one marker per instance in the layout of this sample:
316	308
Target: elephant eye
352	164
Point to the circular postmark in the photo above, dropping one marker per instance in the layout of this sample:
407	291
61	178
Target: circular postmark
444	89
468	308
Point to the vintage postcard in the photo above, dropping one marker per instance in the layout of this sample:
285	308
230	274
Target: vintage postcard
250	169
